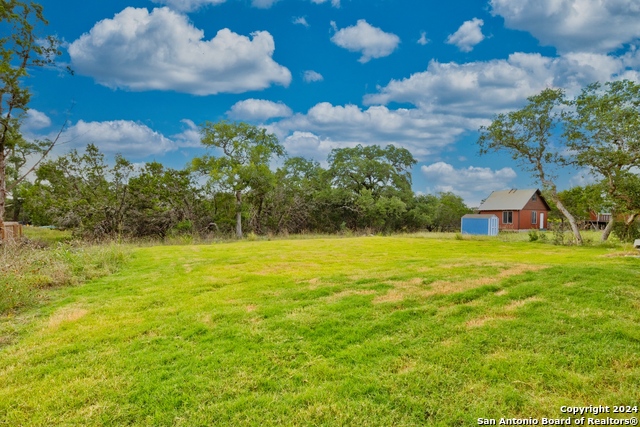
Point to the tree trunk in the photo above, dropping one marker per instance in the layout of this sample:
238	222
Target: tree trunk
239	214
567	214
608	229
3	183
259	216
631	218
17	208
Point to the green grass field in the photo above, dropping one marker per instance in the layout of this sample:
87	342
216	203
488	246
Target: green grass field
369	331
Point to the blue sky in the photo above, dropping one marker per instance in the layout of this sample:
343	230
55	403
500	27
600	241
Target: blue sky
323	74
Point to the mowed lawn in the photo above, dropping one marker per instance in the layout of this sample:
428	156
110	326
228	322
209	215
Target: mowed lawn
371	331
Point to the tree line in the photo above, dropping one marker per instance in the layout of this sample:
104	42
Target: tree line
239	190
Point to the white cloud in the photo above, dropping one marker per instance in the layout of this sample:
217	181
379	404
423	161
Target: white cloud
263	4
371	41
583	177
312	76
423	40
631	58
477	89
35	125
35	120
421	132
191	5
484	88
188	5
472	183
309	145
131	139
258	109
468	35
189	137
162	50
301	20
574	25
334	3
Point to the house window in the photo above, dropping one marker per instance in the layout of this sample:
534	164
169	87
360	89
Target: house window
507	217
534	217
535	197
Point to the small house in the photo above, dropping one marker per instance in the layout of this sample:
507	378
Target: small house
517	209
485	225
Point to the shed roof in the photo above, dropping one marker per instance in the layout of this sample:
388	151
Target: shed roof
510	200
479	216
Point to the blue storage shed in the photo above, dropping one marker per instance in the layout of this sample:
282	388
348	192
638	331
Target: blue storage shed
486	225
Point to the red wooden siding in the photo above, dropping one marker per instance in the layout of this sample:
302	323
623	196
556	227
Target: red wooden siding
521	219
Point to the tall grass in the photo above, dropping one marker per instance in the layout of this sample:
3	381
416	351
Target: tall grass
28	268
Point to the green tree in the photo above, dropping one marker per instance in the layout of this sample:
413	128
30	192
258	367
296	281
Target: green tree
370	185
604	131
295	204
449	212
161	199
244	164
382	171
18	153
20	50
81	191
531	136
629	185
422	212
383	213
581	201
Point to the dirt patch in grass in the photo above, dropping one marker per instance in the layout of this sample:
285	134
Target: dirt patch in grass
68	314
403	365
207	320
449	342
401	289
456	265
393	295
520	303
623	254
343	294
502	292
286	268
313	283
506	313
414	287
482	320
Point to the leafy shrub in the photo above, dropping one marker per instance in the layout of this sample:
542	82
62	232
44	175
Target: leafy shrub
626	233
182	227
559	229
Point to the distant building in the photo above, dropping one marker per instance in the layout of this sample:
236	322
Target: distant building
517	209
599	220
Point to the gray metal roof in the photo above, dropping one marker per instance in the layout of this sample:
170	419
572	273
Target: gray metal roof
507	200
